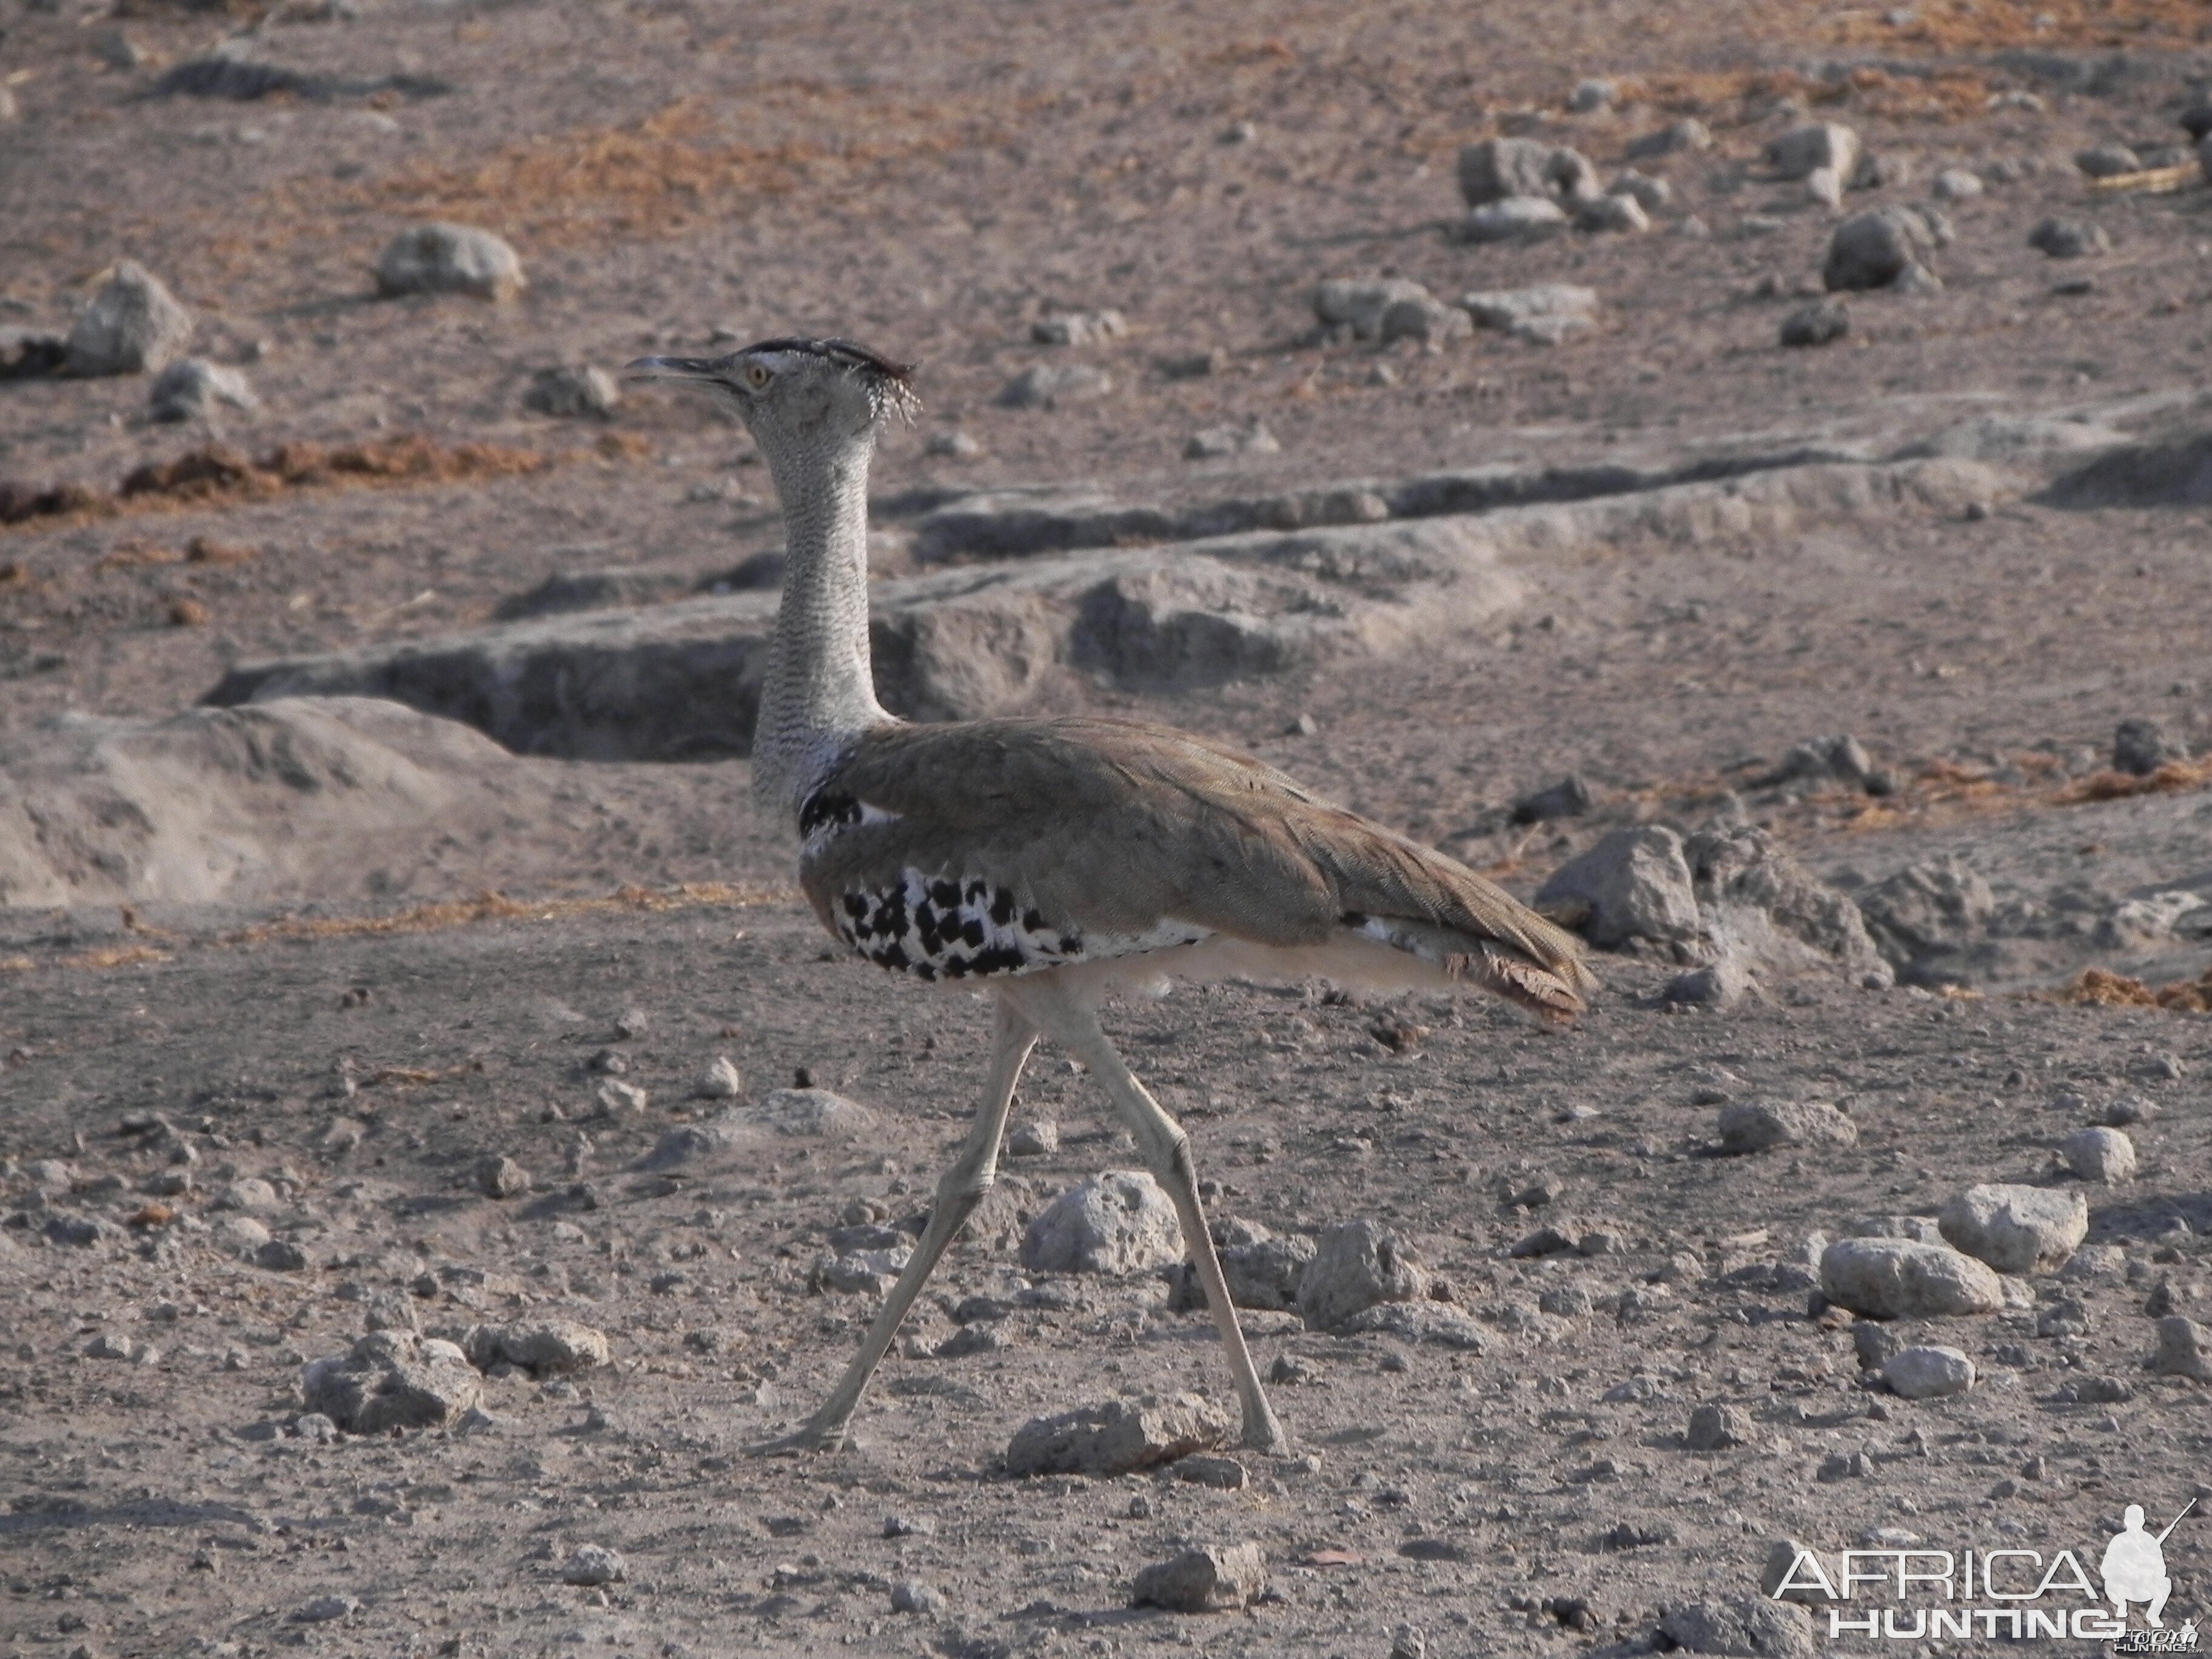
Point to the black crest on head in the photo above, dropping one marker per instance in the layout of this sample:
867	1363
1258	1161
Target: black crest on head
848	353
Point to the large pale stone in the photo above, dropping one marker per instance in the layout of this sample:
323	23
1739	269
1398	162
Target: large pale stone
1118	1222
1635	883
1215	1580
1899	1279
2017	1229
1116	1438
1356	1265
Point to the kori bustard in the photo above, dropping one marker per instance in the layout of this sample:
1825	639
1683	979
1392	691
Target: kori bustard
1054	860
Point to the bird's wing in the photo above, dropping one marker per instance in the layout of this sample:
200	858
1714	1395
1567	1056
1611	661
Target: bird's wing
1113	827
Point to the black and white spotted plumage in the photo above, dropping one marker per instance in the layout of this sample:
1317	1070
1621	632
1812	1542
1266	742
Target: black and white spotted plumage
939	926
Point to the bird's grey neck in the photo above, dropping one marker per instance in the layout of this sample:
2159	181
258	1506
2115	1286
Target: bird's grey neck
820	693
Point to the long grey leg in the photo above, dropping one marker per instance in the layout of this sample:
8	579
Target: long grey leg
1166	1151
962	1188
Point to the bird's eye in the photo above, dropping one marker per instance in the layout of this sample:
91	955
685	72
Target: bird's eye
756	375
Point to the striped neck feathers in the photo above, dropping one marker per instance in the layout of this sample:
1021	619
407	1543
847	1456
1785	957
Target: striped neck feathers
820	693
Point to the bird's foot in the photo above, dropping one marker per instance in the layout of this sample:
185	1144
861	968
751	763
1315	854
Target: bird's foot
814	1437
1264	1433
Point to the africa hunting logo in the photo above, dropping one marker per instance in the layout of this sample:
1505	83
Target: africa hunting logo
2003	1595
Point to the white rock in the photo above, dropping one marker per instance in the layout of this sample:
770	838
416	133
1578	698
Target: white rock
446	259
1500	169
620	1099
721	1080
1651	194
1635	883
2017	1229
133	325
1802	151
1760	1126
1516	217
1826	187
1077	328
1956	185
1511	307
1117	1222
1619	214
240	1235
594	1563
2183	1349
1929	1373
194	387
2099	1154
1899	1279
1048	385
1358	303
573	393
814	1112
1424	320
1356	1264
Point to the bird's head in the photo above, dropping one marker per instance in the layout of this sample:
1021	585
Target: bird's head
796	396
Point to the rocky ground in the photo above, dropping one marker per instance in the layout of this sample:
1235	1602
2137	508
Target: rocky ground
437	1143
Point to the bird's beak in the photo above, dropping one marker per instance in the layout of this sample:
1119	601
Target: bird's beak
672	368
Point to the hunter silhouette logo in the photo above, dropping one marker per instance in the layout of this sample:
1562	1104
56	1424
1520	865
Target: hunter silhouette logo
2134	1567
2007	1594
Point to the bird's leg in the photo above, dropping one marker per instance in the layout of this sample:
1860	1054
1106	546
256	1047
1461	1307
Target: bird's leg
1166	1151
962	1188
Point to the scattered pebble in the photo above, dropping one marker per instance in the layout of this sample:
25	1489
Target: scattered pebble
392	1379
955	445
1681	137
1515	219
593	1564
134	325
1505	169
1218	1580
1117	1222
1117	1437
1955	185
1048	385
1822	145
2068	239
1772	1629
193	387
1620	215
1900	1278
1761	1125
2017	1229
1718	1427
1214	442
1821	322
446	259
573	393
1078	328
1882	248
1634	883
1928	1373
721	1080
499	1176
324	1608
1356	1264
2140	747
2099	1154
2107	161
912	1596
2183	1349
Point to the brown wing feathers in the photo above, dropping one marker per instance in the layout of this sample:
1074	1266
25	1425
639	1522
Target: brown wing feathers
1116	826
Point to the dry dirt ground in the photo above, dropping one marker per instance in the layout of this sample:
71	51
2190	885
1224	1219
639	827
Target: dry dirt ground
931	180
